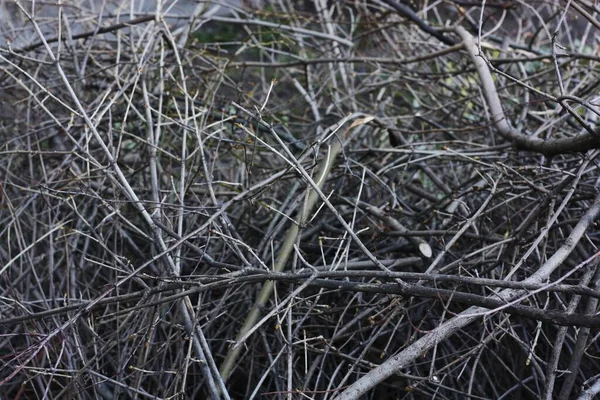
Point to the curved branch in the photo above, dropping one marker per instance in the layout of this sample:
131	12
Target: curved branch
581	143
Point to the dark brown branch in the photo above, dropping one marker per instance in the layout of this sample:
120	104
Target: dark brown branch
406	12
88	34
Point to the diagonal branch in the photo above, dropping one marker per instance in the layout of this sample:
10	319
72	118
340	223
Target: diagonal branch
472	314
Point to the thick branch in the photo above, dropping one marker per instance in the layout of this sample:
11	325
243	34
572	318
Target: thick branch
580	143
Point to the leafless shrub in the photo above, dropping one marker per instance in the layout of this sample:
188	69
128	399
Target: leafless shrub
299	200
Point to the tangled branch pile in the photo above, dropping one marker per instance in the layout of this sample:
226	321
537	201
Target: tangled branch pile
347	199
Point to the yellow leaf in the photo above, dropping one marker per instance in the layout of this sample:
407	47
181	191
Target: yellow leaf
362	121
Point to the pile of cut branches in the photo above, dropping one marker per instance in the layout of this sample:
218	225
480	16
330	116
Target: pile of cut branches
346	200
